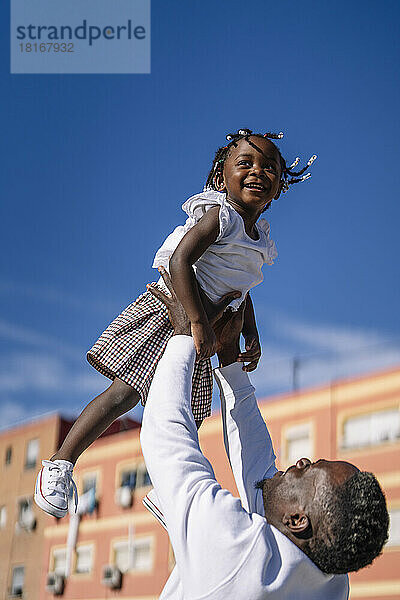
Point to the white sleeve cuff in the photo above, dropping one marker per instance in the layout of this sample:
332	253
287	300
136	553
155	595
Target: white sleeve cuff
181	345
232	378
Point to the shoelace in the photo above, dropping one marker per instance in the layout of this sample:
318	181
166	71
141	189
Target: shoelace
58	474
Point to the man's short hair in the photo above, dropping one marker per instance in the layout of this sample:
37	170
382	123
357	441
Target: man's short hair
353	526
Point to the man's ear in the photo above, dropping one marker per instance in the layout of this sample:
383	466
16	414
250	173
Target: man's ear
299	524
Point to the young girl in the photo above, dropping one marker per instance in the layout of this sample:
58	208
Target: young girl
220	249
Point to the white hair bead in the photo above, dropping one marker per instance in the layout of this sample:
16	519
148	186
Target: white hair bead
295	162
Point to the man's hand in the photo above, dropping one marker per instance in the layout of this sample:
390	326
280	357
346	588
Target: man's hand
204	340
177	315
227	331
213	310
176	312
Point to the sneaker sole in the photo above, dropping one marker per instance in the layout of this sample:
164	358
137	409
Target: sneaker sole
44	505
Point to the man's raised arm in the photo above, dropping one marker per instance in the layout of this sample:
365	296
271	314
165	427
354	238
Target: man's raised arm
195	507
247	441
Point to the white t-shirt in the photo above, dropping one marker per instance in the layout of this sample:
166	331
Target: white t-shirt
234	261
224	547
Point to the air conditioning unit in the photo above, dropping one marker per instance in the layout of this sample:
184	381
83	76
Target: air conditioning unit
55	584
123	496
112	577
27	521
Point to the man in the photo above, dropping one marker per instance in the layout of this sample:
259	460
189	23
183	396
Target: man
293	536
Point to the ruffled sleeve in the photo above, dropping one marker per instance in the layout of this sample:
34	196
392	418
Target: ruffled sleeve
196	206
271	251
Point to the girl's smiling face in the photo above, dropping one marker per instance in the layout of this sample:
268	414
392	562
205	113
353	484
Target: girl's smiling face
251	174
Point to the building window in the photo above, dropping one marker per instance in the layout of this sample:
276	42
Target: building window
59	560
89	482
298	442
136	555
372	429
26	516
17	582
32	453
8	456
84	557
3	516
135	477
122	556
142	554
24	508
394	527
128	478
143	477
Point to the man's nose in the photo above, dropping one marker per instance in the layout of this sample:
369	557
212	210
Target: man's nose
302	463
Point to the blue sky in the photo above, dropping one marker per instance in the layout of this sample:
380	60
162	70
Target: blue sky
96	167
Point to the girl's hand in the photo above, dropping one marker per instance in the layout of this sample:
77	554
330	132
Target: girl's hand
252	354
204	340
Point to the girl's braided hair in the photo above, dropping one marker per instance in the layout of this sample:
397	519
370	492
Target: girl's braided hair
288	176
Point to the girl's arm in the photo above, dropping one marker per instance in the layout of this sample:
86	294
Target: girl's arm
251	338
193	244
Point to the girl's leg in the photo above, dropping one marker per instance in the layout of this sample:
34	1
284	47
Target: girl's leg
96	418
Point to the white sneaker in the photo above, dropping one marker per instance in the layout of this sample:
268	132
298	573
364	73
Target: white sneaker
151	502
53	486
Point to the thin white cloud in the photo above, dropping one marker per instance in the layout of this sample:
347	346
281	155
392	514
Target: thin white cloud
51	295
24	372
323	352
31	385
272	375
327	337
60	374
11	411
30	337
326	369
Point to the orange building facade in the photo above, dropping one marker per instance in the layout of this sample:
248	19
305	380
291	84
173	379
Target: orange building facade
119	534
21	525
357	420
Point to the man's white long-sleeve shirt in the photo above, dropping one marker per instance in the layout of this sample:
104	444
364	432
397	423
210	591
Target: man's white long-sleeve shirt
223	546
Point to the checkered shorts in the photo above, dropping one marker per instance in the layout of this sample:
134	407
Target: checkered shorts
134	342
